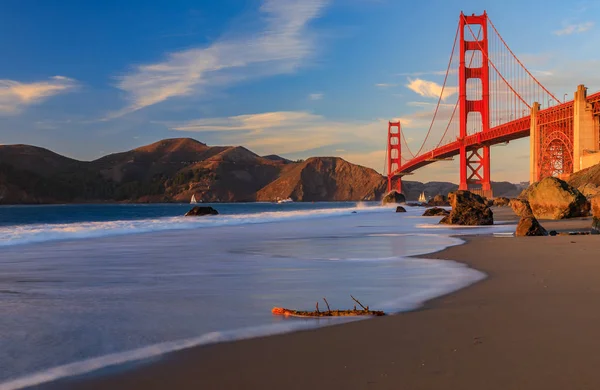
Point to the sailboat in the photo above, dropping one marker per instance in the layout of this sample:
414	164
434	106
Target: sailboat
193	201
422	197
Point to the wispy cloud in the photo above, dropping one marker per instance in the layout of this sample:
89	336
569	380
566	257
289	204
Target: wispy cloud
281	46
575	28
286	132
430	89
385	85
315	96
15	96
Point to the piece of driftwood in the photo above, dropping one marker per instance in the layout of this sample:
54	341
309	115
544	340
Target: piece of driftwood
329	313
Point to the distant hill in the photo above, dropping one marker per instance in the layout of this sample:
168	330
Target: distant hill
325	178
274	157
172	170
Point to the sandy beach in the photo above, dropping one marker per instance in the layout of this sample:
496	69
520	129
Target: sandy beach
532	324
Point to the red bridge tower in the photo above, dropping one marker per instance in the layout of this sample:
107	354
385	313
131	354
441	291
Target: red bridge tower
474	162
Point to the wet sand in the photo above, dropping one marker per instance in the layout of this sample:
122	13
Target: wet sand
532	324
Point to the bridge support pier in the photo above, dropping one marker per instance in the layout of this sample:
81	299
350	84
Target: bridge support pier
585	135
534	145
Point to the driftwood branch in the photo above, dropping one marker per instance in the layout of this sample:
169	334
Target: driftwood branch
329	313
361	305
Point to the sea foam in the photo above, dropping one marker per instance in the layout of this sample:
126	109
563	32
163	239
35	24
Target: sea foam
35	233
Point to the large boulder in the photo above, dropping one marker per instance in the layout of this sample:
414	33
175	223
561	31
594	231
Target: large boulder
438	200
595	205
393	197
435	212
501	201
529	226
400	209
521	207
199	211
595	201
468	209
552	198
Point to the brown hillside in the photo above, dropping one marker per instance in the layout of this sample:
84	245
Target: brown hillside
325	179
233	174
148	162
35	159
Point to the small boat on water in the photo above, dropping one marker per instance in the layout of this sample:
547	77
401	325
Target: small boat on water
193	200
288	200
422	197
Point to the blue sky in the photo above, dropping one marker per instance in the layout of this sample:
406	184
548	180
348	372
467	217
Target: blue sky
298	78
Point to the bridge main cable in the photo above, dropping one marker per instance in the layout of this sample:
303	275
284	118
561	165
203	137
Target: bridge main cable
437	107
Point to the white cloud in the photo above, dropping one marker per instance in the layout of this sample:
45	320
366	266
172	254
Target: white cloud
575	28
285	132
15	96
282	45
430	89
385	85
315	96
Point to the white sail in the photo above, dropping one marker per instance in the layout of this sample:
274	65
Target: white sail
193	199
422	197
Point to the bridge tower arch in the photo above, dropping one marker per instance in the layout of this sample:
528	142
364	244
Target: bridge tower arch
475	161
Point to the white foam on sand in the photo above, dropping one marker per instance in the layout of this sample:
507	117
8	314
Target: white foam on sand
459	277
93	364
455	275
27	234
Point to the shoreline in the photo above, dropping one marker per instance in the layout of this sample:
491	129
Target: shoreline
524	326
372	227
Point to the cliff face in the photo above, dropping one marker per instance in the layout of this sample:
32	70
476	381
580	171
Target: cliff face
325	178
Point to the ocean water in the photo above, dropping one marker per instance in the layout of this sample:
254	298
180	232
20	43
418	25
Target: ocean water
87	287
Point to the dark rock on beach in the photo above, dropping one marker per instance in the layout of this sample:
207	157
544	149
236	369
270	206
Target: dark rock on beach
393	197
435	212
552	198
438	200
199	211
501	201
529	226
595	202
468	209
521	207
400	209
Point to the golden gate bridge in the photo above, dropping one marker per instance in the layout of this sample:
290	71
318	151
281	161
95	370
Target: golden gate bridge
498	100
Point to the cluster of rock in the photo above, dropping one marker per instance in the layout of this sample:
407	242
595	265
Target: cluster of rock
468	209
550	198
438	200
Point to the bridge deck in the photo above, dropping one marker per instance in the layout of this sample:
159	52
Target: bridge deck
509	131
